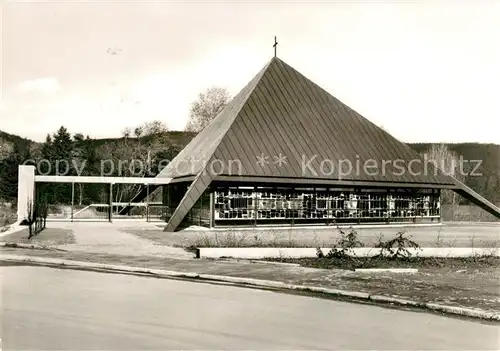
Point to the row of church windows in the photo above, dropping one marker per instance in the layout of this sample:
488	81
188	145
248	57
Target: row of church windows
269	204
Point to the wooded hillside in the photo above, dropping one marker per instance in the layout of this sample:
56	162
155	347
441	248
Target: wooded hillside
78	150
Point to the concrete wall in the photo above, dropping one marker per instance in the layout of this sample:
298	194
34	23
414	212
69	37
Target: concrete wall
25	191
268	252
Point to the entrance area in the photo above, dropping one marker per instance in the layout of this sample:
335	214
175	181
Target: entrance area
81	198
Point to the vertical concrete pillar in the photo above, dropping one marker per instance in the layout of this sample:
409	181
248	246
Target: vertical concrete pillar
25	190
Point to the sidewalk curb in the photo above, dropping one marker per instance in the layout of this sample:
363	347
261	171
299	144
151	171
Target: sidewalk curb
387	270
28	246
467	312
247	261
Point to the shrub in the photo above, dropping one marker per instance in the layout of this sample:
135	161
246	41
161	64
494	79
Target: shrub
36	217
397	247
30	220
343	246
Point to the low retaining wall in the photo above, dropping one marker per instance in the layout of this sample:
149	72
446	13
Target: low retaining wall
271	252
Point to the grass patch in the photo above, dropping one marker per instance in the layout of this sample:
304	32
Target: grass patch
48	237
158	236
242	239
382	262
8	215
394	253
319	236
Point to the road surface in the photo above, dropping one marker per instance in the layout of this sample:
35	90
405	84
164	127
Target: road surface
55	309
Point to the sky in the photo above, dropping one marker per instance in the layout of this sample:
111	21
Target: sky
427	71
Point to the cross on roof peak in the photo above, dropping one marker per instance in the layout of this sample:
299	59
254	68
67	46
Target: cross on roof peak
275	45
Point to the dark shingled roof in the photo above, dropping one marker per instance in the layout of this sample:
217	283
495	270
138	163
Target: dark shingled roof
281	112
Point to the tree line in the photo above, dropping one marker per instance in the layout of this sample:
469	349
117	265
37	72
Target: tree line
151	142
66	154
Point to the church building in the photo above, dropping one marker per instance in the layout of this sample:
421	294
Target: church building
286	152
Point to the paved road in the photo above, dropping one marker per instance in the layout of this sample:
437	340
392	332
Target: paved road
45	308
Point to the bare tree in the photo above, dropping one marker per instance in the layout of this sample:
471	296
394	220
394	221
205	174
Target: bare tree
136	155
154	128
78	137
30	217
146	129
129	159
138	131
448	162
206	108
127	132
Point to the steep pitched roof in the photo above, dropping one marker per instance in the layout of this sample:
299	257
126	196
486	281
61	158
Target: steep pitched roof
191	159
282	113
